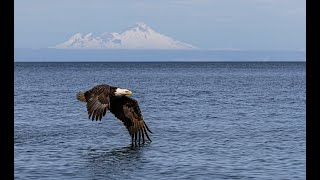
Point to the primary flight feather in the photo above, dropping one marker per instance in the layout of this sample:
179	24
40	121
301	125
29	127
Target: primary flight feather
103	98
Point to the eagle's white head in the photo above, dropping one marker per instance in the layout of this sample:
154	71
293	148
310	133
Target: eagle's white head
122	92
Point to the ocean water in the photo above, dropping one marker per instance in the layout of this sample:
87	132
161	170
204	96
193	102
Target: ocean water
209	121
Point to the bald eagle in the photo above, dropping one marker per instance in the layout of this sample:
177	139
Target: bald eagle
102	98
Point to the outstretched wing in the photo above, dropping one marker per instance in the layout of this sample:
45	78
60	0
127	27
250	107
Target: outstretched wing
127	110
98	101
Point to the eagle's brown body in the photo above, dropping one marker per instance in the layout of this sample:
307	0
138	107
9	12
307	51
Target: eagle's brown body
102	98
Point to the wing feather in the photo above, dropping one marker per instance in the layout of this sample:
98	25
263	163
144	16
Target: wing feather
127	110
98	101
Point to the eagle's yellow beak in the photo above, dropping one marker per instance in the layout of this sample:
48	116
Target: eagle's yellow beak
128	92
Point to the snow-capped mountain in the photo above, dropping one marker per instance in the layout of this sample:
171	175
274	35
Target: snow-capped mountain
139	36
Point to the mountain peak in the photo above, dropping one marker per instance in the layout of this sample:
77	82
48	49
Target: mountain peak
138	36
140	26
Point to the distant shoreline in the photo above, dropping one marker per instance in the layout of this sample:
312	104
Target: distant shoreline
120	55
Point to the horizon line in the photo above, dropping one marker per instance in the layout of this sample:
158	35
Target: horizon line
199	49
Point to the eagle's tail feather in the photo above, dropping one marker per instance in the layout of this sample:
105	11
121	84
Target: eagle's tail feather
81	97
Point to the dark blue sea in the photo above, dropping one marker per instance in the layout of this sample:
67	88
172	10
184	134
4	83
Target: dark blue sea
209	120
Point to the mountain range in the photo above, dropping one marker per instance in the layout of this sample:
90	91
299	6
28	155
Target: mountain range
138	36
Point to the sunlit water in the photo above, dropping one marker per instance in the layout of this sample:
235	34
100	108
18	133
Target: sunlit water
209	121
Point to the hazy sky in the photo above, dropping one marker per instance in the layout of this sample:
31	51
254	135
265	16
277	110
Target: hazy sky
208	24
